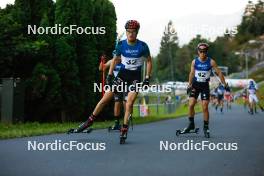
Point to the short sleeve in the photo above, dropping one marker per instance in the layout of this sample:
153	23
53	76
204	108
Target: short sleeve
118	49
146	52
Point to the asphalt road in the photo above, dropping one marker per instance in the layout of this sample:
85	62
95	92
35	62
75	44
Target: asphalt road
142	155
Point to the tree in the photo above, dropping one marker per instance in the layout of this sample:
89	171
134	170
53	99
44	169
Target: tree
165	58
252	22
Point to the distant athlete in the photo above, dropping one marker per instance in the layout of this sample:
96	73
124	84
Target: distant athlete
245	98
228	98
253	97
220	97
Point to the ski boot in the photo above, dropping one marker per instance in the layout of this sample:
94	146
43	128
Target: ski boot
123	134
190	129
115	127
251	111
206	131
83	128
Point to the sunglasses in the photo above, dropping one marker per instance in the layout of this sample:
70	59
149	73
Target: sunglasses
202	51
131	31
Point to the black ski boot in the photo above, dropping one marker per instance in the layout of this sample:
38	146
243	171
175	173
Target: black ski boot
190	127
115	127
251	111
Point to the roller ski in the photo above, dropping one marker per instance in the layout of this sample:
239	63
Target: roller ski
123	134
190	129
72	130
184	131
85	127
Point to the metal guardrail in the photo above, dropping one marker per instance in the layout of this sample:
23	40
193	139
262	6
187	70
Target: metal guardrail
157	109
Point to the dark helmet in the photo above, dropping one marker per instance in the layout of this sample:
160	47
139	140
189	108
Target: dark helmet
251	82
132	24
202	47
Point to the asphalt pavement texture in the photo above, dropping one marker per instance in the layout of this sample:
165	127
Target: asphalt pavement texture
143	155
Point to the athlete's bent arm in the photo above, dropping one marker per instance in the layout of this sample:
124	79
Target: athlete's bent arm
114	61
191	74
106	65
149	66
219	73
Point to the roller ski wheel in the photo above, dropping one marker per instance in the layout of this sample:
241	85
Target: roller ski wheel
89	130
186	131
72	130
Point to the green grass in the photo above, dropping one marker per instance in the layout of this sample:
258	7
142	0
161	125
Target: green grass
261	93
35	128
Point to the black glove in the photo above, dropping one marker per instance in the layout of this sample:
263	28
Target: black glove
227	88
109	79
189	89
145	82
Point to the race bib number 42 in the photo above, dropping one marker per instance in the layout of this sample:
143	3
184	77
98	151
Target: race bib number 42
202	76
